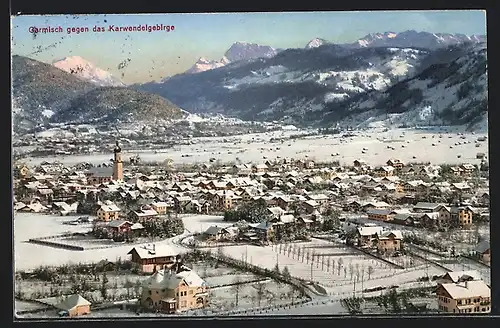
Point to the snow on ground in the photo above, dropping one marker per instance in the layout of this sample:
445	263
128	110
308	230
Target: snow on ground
336	283
200	223
29	256
223	299
254	147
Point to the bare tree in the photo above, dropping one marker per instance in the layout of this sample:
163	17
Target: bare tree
370	272
236	288
339	264
259	292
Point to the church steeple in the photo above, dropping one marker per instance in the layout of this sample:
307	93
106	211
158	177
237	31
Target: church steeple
117	148
117	165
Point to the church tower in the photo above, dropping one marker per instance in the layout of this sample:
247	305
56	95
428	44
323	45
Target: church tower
118	164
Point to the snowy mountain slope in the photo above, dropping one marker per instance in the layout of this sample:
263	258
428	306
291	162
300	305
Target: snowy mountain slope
293	82
42	93
83	68
453	93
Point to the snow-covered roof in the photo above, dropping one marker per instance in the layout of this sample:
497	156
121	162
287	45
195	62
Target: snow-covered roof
71	302
110	208
396	233
467	289
454	276
370	231
171	280
154	251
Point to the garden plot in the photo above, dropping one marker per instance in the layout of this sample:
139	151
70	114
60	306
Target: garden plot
252	295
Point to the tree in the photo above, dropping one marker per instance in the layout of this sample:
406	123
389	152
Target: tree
236	288
351	270
285	272
276	269
128	284
352	305
104	286
259	292
137	288
370	272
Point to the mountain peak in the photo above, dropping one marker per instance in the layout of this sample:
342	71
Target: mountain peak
83	68
316	42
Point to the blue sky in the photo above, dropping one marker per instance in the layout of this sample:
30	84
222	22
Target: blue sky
158	54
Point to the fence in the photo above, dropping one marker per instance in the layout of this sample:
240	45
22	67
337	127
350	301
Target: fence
56	245
476	260
430	261
365	252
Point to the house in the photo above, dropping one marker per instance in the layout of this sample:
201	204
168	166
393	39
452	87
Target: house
422	207
321	199
173	291
74	305
462	215
384	171
304	222
395	163
467	169
265	230
389	242
21	171
145	213
359	163
259	168
108	211
153	257
403	218
380	214
461	187
464	297
215	233
483	251
99	175
458	276
367	235
119	226
160	207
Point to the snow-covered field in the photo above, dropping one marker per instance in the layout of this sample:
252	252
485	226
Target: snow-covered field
200	223
257	147
29	256
337	284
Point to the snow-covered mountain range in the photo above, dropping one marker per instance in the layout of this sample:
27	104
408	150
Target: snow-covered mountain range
412	39
237	52
315	84
83	68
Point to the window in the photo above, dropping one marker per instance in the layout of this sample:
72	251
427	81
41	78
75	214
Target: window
157	292
191	292
149	292
459	302
395	242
